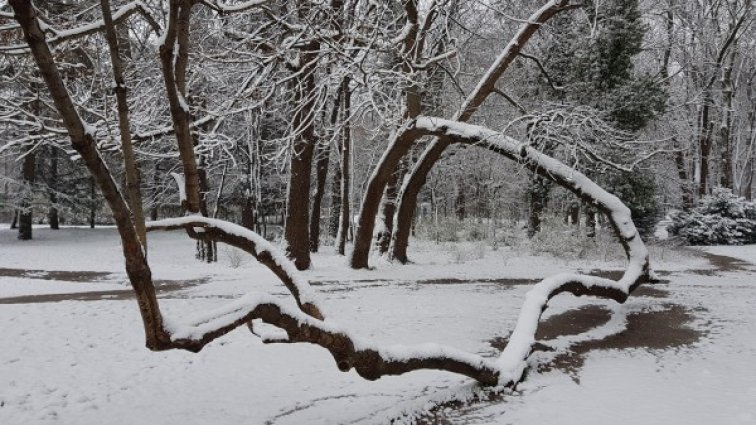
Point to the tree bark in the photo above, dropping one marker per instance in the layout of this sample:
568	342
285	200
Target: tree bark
323	157
345	174
173	65
727	173
28	171
52	215
133	186
538	197
296	229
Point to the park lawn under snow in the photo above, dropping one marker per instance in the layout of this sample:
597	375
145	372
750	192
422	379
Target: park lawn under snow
84	362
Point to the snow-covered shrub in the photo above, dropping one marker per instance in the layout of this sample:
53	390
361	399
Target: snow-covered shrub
235	257
440	230
567	241
464	252
719	219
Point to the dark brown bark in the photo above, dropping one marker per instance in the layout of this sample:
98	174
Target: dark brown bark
14	222
296	227
682	174
590	221
323	157
334	219
705	145
371	200
727	172
538	196
345	173
249	220
92	202
29	172
52	214
173	65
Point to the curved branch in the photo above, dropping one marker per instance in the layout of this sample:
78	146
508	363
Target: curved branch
215	230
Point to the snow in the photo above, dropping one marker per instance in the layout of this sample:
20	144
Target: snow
84	362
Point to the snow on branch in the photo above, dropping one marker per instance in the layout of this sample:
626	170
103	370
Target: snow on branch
369	361
120	15
252	243
512	361
372	362
225	7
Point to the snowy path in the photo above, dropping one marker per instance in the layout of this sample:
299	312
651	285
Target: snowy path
83	362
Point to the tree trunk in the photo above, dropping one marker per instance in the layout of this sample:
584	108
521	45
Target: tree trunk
335	218
346	174
92	203
590	221
724	131
573	214
14	222
460	201
685	184
388	209
323	156
296	227
155	192
538	196
133	184
52	214
29	171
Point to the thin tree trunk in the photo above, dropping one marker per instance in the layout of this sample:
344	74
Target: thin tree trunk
334	219
14	222
29	171
725	129
155	192
92	203
538	196
321	173
124	127
705	144
590	221
52	214
346	173
388	209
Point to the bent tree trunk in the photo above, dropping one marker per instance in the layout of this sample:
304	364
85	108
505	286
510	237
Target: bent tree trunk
487	85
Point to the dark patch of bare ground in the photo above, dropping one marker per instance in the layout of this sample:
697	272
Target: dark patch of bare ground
163	288
62	275
664	329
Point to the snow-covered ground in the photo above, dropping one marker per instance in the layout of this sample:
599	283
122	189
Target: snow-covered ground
78	359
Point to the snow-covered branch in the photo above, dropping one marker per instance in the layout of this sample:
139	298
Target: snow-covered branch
237	236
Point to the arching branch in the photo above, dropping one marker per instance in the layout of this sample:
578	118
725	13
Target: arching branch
209	229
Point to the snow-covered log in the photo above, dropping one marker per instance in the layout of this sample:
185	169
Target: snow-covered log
370	361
